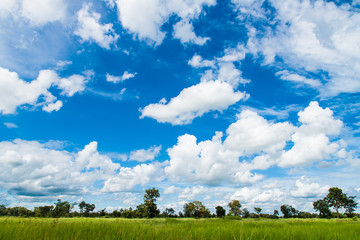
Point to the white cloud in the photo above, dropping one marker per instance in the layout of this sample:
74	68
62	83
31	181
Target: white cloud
73	84
90	28
10	125
184	31
15	92
116	79
40	12
197	62
190	194
128	178
253	143
298	79
254	195
53	106
143	155
315	36
30	168
193	102
252	133
155	13
311	140
305	188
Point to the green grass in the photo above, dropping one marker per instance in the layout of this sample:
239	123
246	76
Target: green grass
81	228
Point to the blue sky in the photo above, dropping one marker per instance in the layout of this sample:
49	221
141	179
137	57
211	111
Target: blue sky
205	100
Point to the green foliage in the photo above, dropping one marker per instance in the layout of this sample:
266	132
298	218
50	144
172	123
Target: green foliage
257	210
288	211
323	207
150	208
235	208
62	209
336	199
196	209
220	211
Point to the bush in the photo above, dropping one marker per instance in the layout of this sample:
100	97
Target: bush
229	217
355	218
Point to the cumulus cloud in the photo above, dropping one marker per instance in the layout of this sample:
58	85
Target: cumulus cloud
38	12
254	195
315	36
15	92
116	79
143	155
155	13
31	168
311	140
184	31
252	143
305	188
190	194
90	28
215	92
193	102
128	178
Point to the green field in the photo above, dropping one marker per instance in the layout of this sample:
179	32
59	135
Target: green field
82	228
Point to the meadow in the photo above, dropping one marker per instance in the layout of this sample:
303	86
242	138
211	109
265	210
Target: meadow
119	228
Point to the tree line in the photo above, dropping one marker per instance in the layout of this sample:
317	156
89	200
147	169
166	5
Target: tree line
335	199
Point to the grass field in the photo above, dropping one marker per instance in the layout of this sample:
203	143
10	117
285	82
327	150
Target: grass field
81	228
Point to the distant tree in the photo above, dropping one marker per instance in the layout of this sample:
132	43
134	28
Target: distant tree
323	207
336	199
350	205
235	208
169	212
220	211
245	213
288	211
276	213
196	209
116	213
61	209
44	211
86	208
257	210
3	210
150	197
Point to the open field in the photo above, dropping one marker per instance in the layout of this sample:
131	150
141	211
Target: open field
81	228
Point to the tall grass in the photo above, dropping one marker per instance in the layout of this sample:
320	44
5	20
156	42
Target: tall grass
33	228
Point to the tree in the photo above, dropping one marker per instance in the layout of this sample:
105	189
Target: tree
276	213
336	199
235	208
323	207
3	210
196	209
220	211
169	212
245	213
288	211
150	196
61	208
86	208
350	205
43	211
257	210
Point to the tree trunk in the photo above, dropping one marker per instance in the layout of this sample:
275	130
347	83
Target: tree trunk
337	213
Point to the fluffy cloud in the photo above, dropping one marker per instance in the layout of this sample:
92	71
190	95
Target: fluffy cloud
15	92
31	168
143	155
155	13
128	178
116	79
38	12
315	36
249	195
305	188
253	143
311	140
184	31
90	28
215	92
298	79
193	102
